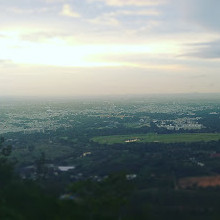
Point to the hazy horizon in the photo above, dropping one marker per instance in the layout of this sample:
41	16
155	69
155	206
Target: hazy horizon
115	96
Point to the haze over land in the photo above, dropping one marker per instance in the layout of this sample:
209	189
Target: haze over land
81	47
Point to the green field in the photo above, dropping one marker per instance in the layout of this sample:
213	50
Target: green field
162	138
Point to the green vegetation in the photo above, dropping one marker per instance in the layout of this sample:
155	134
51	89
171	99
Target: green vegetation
136	125
162	138
129	161
30	153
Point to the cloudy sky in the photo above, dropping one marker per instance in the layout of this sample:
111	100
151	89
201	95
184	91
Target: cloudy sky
98	47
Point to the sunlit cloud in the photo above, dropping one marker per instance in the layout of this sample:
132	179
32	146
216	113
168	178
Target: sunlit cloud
106	19
131	2
58	52
147	12
54	1
113	18
69	12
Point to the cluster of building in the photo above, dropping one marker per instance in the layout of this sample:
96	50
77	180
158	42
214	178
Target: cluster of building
185	123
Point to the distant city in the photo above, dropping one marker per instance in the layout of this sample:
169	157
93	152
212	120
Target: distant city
42	116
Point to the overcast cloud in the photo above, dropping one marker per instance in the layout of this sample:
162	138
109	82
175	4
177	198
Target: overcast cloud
109	46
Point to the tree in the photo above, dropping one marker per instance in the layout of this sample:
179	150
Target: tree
107	199
6	170
41	168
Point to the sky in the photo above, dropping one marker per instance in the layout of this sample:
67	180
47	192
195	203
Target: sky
109	47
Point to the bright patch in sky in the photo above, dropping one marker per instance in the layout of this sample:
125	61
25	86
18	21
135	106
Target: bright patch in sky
57	52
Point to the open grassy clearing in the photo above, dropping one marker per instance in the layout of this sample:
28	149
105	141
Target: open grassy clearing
162	138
